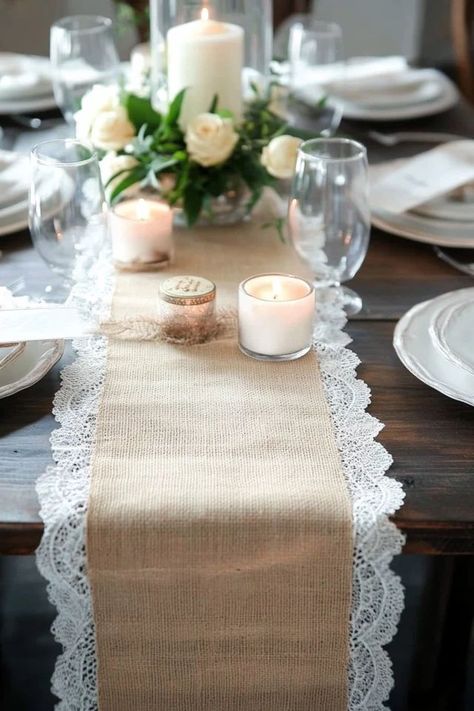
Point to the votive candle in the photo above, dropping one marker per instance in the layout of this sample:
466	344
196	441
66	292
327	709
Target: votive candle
276	316
141	233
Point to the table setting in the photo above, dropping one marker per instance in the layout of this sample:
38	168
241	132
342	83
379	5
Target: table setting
217	519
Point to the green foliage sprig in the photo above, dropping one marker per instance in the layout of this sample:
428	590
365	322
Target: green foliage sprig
165	164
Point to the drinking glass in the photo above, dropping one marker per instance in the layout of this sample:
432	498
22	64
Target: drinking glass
66	205
329	216
83	53
315	56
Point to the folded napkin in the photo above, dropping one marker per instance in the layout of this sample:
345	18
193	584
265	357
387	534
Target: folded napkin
358	71
427	176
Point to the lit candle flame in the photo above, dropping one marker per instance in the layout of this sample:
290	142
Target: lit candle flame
204	14
143	210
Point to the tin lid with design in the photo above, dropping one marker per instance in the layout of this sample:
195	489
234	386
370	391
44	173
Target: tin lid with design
187	290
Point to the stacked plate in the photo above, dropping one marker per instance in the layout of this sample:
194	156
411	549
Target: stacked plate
25	84
446	221
23	364
380	89
14	185
435	341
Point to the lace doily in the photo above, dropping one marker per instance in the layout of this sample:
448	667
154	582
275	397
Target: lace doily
63	492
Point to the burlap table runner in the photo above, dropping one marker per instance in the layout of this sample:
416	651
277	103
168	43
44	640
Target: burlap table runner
219	533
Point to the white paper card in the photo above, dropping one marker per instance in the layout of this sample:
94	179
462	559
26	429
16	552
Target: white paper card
43	324
425	177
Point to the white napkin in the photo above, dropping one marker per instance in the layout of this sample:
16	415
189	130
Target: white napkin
42	323
359	71
428	175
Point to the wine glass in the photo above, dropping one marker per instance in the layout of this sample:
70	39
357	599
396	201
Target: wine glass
83	53
315	53
329	216
66	206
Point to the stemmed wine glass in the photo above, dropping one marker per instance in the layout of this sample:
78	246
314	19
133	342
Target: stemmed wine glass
314	51
66	206
83	53
329	216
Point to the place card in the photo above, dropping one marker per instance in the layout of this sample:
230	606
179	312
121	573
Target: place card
429	175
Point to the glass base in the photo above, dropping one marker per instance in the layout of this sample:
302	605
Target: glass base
352	303
275	358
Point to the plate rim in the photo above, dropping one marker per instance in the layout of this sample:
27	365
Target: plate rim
381	224
449	97
410	363
38	371
437	333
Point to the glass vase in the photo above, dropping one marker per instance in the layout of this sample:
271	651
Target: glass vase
211	48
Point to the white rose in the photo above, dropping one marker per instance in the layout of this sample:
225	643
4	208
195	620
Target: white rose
111	130
100	98
97	100
279	157
112	164
210	139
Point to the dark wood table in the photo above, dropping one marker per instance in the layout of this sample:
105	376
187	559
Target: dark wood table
429	436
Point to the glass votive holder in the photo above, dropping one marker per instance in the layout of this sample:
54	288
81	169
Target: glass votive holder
276	316
187	305
141	233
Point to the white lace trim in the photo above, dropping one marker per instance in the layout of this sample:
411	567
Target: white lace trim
63	492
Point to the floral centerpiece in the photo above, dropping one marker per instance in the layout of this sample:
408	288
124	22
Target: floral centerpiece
213	162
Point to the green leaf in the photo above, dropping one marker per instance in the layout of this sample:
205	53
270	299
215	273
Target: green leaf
135	175
213	106
174	110
161	163
277	224
140	112
225	113
192	204
116	175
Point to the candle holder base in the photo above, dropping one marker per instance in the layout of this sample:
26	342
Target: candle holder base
142	266
275	358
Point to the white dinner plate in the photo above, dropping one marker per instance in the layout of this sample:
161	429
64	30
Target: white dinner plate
30	365
443	99
448	207
34	103
32	91
415	348
444	233
14	177
15	217
410	87
452	331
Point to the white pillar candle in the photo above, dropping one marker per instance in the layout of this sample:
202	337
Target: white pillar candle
206	57
141	233
276	315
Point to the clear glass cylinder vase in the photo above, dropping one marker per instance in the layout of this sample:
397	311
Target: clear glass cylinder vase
211	48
